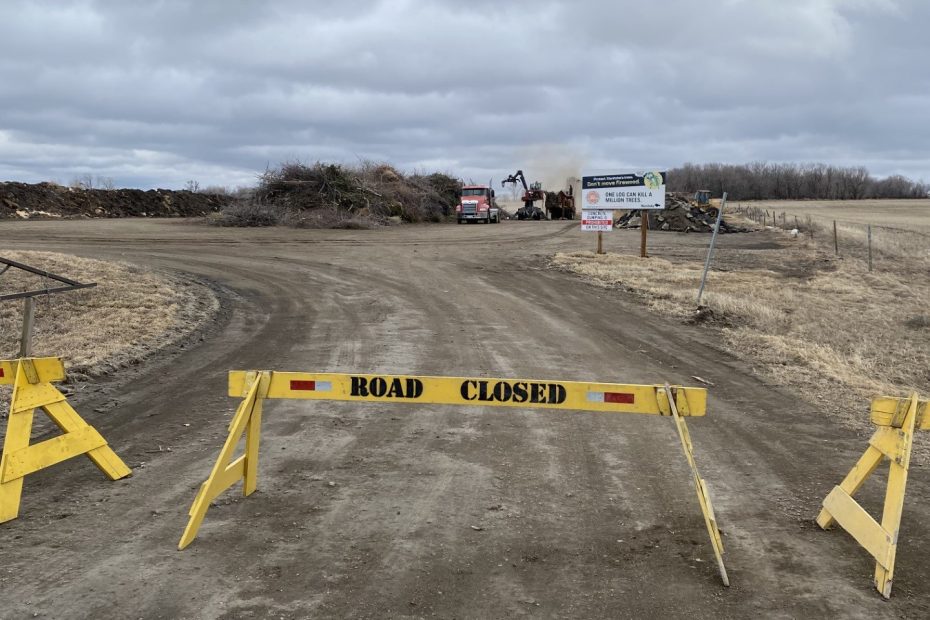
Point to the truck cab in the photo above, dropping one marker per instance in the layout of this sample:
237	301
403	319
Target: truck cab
477	205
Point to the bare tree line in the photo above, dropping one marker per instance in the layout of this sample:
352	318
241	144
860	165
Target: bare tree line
88	181
772	181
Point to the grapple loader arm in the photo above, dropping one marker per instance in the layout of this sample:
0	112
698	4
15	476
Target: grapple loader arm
513	178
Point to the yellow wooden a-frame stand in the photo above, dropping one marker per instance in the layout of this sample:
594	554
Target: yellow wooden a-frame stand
226	471
897	419
32	379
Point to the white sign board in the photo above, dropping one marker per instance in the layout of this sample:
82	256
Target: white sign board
602	221
634	190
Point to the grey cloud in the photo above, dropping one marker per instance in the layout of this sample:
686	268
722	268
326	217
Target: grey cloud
158	93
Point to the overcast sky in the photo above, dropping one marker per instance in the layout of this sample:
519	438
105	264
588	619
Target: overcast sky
154	93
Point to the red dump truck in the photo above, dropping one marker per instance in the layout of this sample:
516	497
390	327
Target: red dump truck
477	205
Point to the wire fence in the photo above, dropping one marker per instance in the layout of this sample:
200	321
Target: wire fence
882	247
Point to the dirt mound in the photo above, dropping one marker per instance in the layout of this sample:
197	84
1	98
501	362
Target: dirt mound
25	201
679	215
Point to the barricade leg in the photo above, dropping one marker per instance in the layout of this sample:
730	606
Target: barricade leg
707	508
227	472
18	429
856	477
880	540
252	439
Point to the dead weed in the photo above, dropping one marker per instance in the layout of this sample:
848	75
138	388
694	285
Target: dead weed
832	332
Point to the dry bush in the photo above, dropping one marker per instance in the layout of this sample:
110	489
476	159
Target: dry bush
247	213
131	313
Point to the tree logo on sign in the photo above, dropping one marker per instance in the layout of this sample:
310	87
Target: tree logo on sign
652	180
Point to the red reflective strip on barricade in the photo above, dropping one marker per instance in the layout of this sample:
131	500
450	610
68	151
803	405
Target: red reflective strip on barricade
307	386
619	397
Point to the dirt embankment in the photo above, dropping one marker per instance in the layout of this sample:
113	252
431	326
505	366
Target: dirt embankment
45	200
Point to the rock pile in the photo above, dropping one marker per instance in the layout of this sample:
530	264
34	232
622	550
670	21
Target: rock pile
679	215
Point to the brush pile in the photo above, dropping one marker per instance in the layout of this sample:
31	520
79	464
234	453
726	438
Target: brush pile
336	196
679	215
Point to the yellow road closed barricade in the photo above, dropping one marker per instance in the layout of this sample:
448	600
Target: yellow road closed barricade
32	379
254	387
897	419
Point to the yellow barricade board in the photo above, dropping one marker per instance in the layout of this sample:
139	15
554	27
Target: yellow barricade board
45	370
32	390
891	411
570	395
253	387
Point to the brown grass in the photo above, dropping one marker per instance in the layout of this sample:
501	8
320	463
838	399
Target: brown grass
132	312
903	214
803	318
900	228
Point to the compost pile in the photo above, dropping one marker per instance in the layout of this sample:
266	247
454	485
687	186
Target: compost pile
49	200
336	196
679	215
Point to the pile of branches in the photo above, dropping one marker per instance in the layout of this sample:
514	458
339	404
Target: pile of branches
336	196
679	215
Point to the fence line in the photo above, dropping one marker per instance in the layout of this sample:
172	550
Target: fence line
848	238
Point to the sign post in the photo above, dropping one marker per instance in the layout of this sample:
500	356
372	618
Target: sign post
642	191
598	221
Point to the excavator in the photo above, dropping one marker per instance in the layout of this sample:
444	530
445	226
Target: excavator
531	194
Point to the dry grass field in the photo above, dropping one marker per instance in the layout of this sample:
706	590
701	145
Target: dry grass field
911	215
900	228
130	314
804	318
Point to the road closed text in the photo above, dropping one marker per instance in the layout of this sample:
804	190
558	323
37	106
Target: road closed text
471	390
387	387
513	392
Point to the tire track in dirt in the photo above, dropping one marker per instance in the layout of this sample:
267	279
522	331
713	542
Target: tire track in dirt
564	489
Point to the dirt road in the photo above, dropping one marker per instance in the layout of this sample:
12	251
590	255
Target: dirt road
580	515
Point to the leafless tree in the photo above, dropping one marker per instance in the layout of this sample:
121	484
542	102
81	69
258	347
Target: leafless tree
765	181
